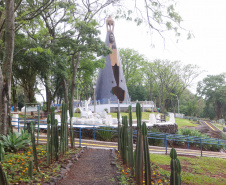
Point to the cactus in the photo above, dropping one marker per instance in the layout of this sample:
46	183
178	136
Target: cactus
146	155
64	130
34	145
52	148
124	141
56	140
71	125
130	143
139	148
175	177
48	139
2	152
30	168
3	177
119	131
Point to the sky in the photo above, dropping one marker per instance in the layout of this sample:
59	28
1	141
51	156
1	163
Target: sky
206	20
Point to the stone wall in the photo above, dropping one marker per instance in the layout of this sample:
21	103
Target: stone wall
171	129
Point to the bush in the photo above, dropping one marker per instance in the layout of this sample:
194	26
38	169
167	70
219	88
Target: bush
192	132
154	142
15	141
106	133
149	110
77	110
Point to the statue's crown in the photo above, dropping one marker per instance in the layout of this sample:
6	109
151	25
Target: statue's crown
110	23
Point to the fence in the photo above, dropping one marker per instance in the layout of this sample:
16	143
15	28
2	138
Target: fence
152	135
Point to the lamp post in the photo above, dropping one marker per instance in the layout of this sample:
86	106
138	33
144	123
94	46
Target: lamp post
94	87
178	105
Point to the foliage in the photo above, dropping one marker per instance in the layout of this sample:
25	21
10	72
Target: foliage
213	89
15	141
191	132
3	177
132	63
195	133
154	142
16	165
106	133
169	79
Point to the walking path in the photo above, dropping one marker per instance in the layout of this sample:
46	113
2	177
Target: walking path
93	168
152	149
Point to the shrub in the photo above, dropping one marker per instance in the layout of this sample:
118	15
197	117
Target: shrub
14	141
149	110
77	110
154	142
106	134
106	110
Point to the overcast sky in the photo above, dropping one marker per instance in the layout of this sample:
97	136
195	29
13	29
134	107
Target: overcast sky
206	20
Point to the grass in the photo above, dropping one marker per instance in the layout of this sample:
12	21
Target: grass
218	125
196	170
145	116
185	123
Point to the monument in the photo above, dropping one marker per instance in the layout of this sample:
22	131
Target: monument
111	83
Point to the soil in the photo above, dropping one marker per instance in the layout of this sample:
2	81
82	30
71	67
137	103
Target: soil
93	168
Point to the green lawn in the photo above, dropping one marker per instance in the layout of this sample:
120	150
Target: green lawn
195	170
145	116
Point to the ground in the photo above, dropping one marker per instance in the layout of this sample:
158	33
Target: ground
94	167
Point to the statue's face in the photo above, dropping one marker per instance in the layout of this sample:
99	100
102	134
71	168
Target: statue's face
111	38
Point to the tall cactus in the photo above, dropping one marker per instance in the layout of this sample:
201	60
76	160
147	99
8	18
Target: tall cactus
48	139
139	148
2	152
119	131
175	177
71	125
124	141
3	177
34	145
64	130
30	168
130	142
146	156
52	148
56	140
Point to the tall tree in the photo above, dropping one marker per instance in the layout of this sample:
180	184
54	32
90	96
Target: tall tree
6	71
132	64
213	89
170	80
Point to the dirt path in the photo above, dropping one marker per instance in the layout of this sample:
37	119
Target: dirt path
93	168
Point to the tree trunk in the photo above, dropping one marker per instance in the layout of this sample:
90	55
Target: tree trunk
14	97
6	71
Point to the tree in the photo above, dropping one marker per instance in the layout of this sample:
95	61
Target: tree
132	64
170	80
6	71
213	89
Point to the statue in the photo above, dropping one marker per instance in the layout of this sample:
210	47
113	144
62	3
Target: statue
111	82
85	111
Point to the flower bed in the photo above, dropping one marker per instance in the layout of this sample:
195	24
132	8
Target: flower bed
16	165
